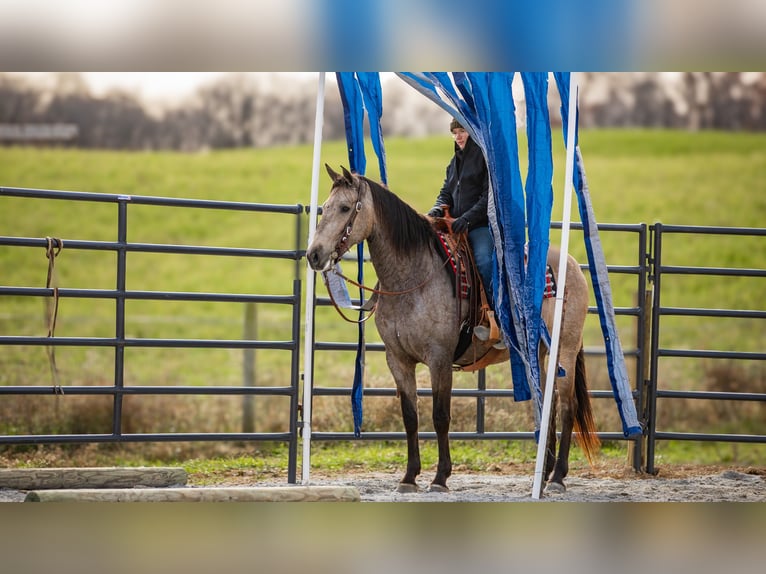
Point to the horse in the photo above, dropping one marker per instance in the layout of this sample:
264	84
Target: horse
418	317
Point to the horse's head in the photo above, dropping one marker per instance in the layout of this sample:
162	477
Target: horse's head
347	219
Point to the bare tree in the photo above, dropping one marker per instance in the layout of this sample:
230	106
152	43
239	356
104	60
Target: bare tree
237	111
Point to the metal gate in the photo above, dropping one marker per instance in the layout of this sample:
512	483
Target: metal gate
646	272
645	269
661	273
119	390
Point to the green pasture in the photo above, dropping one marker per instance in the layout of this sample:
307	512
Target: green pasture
635	176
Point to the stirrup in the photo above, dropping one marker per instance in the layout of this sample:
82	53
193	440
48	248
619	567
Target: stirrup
482	332
494	330
491	333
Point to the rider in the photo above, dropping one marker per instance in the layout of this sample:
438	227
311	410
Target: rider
465	192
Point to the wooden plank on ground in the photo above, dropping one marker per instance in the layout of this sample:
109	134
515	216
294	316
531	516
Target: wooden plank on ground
206	494
96	477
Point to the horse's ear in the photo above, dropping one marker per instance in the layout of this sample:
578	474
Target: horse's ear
347	176
334	175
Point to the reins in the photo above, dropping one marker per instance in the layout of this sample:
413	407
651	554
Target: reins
376	292
341	247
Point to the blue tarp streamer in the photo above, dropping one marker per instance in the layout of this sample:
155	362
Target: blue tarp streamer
519	213
360	91
615	359
539	197
484	104
493	99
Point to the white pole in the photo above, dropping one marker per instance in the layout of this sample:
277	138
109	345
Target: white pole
308	348
552	367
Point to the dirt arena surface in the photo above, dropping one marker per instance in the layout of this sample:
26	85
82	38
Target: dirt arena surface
679	485
671	484
605	482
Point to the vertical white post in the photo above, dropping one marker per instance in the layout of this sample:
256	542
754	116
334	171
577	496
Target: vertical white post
553	356
308	338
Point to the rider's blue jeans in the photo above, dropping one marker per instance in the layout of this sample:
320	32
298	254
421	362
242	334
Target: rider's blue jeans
483	253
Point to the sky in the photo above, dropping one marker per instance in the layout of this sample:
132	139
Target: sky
162	85
150	85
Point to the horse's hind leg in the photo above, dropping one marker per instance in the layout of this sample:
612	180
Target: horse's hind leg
567	409
550	447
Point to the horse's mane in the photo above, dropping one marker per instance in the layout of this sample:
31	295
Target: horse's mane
406	229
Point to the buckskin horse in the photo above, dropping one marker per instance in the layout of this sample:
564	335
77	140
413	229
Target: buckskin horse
417	319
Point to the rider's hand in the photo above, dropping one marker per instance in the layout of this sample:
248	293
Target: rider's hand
460	225
436	212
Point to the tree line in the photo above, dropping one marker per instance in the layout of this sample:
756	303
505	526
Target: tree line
236	111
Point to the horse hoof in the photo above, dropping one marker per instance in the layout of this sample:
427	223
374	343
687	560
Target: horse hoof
437	488
407	488
556	488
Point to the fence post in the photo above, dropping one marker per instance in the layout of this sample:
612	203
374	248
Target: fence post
651	396
249	333
119	348
637	452
481	402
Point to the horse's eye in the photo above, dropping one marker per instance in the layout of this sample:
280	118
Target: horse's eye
345	209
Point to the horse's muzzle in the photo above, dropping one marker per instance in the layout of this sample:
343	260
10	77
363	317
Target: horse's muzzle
318	259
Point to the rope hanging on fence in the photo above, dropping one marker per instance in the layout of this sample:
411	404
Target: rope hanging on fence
54	246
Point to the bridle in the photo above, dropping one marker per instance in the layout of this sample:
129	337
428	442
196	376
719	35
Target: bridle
340	248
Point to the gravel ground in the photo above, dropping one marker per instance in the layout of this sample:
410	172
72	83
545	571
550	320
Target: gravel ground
726	486
678	485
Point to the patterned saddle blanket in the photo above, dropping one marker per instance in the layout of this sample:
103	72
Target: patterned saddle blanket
460	265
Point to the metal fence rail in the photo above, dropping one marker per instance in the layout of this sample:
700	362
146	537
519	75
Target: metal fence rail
119	342
648	270
662	234
481	392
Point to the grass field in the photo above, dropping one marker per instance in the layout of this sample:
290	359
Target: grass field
711	178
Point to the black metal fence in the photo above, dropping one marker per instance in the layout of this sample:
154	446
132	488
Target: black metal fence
119	342
662	273
645	270
636	270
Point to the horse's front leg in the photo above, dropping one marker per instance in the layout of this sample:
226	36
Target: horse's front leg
441	384
404	375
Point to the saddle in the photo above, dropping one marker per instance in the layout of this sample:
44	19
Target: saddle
461	267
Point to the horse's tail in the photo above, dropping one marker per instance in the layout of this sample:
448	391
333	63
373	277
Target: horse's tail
584	425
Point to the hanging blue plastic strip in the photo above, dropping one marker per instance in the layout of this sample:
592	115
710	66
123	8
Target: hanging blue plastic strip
539	198
496	114
353	119
483	102
618	375
369	82
361	91
357	389
353	116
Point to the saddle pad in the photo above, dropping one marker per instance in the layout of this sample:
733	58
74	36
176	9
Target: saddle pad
465	284
550	284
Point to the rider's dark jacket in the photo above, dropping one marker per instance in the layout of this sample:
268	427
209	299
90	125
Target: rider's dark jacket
466	185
